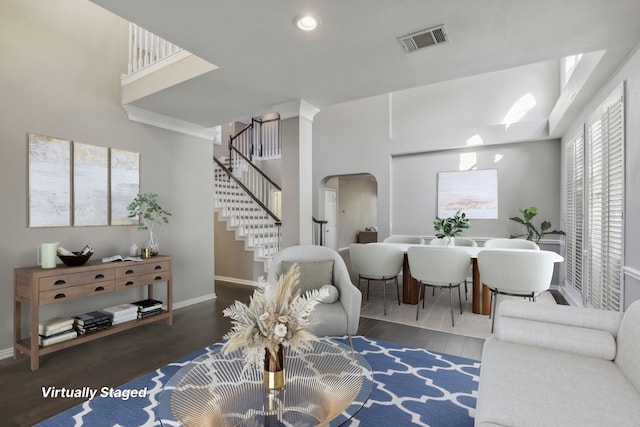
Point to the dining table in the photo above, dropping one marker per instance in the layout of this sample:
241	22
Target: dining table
481	295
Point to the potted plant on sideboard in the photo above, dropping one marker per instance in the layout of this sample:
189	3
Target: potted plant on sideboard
145	207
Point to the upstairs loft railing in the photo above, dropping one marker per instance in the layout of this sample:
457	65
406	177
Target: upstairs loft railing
146	49
260	138
266	195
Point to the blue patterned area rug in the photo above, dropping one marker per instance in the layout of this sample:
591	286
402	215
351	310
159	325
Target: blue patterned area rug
411	387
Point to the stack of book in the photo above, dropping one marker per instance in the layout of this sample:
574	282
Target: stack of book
92	321
122	313
55	330
148	307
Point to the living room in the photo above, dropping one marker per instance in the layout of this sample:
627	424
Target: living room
61	77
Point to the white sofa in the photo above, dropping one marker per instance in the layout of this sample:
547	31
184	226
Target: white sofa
553	365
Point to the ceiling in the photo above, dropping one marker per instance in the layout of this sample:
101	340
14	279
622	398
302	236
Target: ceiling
265	61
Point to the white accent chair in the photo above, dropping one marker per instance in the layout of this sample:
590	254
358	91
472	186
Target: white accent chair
458	241
400	238
524	274
339	318
378	263
511	244
439	267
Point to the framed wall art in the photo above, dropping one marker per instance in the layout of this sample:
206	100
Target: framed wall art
90	185
475	192
125	184
49	181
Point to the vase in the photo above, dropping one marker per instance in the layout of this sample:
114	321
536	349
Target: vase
449	241
152	244
274	369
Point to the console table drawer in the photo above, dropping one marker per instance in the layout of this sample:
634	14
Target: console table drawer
134	269
147	279
73	292
73	279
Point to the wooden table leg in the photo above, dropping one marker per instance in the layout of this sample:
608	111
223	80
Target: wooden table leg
409	284
481	300
476	299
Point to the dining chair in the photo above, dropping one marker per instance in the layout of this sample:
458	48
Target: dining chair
458	241
439	267
401	238
524	274
511	244
378	263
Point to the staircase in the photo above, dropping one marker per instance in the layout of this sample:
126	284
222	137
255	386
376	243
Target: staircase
245	197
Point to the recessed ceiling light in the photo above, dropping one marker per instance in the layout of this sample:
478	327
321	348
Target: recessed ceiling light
307	22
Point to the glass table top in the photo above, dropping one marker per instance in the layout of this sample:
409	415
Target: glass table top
326	385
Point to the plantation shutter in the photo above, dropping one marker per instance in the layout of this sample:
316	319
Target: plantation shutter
605	166
574	209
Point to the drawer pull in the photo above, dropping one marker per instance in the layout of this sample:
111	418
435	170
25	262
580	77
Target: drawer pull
59	296
129	272
158	278
129	283
99	276
99	288
157	267
60	282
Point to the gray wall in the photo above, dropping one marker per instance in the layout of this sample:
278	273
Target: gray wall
60	76
409	136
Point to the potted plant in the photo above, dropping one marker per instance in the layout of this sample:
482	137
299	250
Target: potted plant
449	228
533	233
145	207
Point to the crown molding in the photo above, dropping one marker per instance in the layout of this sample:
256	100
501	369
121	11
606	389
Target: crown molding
299	108
165	122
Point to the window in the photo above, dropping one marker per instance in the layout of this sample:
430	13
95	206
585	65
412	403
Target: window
594	206
574	215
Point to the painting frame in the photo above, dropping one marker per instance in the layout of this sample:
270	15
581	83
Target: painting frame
50	188
124	184
474	192
90	185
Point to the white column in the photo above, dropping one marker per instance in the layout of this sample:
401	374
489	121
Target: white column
297	177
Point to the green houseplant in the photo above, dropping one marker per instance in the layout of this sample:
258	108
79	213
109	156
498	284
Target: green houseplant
532	232
145	207
449	228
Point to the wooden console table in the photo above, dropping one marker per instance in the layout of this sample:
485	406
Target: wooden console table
35	287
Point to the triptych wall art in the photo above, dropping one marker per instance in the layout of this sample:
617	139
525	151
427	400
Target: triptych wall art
72	183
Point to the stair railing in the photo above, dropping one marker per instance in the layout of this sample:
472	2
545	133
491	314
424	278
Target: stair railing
318	231
260	138
266	200
146	48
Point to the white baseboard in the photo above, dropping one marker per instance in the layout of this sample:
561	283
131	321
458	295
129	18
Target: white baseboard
237	281
8	352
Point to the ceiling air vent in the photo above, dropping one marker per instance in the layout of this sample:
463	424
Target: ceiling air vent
424	38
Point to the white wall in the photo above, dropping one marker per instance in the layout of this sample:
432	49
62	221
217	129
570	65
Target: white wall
629	73
383	134
60	76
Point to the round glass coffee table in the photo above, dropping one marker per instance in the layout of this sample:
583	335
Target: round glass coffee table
326	385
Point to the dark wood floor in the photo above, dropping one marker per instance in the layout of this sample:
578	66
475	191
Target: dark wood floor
117	359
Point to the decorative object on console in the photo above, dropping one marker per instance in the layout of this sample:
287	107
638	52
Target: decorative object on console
276	316
145	207
73	259
533	233
449	228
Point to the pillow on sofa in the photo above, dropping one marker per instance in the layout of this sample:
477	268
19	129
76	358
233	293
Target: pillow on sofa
313	274
332	296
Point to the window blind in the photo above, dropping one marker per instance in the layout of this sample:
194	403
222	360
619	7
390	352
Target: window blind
605	204
574	209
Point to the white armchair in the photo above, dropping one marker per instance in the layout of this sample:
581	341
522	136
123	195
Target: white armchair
339	318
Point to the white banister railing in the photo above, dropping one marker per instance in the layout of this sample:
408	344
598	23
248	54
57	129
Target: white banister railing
146	48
